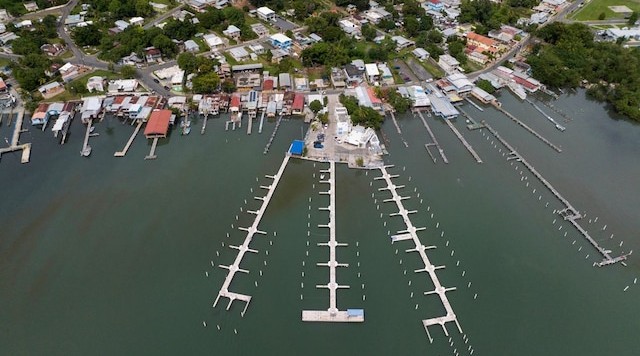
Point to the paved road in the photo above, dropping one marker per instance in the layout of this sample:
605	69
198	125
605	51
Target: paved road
163	17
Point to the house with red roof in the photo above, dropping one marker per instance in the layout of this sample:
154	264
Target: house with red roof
158	124
298	104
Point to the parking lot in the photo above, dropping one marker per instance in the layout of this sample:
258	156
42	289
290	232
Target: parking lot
404	71
419	70
284	25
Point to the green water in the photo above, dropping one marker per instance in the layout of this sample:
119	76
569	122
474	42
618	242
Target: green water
108	256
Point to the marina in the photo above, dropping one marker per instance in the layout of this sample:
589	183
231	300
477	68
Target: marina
557	126
434	141
529	129
14	145
464	142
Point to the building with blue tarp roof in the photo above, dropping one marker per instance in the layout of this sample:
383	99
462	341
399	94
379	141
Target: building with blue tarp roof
297	147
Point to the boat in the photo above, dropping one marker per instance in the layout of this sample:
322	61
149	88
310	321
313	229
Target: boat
322	176
186	127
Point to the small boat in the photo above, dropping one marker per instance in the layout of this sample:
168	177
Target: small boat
322	176
86	151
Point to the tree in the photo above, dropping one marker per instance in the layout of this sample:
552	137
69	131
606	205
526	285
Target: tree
206	83
315	106
633	18
165	45
87	36
187	61
485	85
128	72
602	16
368	32
228	86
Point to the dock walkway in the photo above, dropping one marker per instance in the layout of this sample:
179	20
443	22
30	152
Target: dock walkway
15	139
526	127
410	233
395	122
129	142
464	142
558	126
569	213
273	135
332	314
244	248
434	141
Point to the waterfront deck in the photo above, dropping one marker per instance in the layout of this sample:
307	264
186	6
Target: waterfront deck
244	248
569	213
152	152
410	233
15	139
434	141
332	314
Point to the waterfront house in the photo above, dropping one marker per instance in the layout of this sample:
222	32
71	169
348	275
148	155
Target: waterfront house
31	6
281	41
158	124
366	97
39	116
91	108
354	75
298	104
373	74
285	81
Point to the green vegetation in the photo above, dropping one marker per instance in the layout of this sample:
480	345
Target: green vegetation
360	162
592	10
397	101
361	115
486	86
17	8
315	106
571	55
29	70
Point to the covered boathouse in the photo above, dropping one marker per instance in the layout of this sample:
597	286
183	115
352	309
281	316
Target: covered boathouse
157	128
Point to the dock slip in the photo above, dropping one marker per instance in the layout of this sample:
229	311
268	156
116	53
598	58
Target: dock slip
242	249
273	135
14	146
474	125
410	233
569	213
558	126
332	314
434	142
464	142
390	110
526	127
133	136
474	104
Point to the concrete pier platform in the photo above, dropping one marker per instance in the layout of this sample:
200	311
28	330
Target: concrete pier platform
14	146
126	147
244	248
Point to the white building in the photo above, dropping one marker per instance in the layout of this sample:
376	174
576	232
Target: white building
191	46
421	53
136	21
232	32
122	86
401	42
448	63
213	41
266	14
95	84
239	53
373	74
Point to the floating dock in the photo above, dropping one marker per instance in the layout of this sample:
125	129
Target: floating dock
526	127
332	314
244	248
204	123
152	152
126	147
474	125
569	213
464	142
410	233
434	141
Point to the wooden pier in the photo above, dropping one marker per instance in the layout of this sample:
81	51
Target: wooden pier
264	112
332	314
569	213
244	248
474	104
152	152
410	233
133	136
249	125
15	139
86	149
434	141
204	123
526	127
558	126
273	135
474	125
464	142
395	122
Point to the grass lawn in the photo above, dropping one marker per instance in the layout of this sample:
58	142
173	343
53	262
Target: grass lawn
64	96
433	68
101	73
594	8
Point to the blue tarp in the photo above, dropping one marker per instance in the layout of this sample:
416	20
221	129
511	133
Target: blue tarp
296	147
